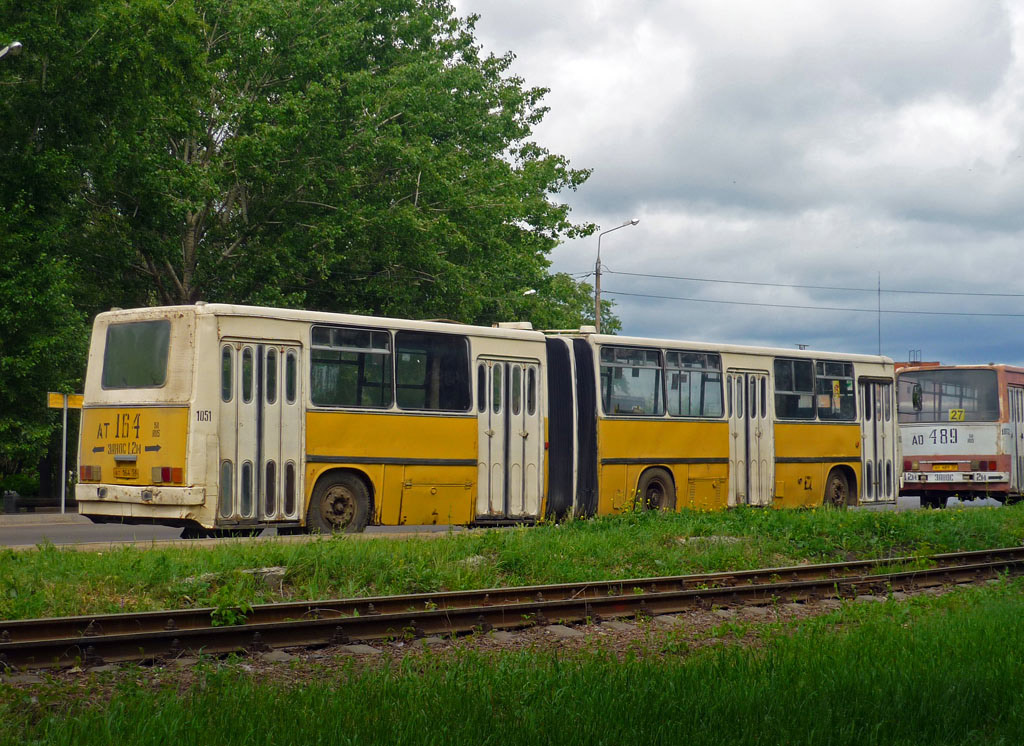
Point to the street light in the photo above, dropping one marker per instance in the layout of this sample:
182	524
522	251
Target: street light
597	273
13	49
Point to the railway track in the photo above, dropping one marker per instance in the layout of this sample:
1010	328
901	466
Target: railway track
96	639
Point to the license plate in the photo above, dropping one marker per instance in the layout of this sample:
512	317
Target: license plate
944	467
126	472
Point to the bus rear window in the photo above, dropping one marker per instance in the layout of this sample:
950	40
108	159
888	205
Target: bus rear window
135	355
943	395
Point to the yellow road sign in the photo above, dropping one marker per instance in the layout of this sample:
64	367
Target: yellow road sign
56	401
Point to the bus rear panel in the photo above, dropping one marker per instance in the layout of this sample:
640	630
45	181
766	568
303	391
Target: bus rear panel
134	458
961	431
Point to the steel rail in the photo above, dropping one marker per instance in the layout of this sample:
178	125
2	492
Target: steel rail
200	618
64	641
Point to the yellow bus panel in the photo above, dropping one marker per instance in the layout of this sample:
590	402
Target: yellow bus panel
421	469
805	454
126	443
696	454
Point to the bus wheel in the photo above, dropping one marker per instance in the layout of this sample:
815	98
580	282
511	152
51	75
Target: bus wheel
340	503
656	491
837	490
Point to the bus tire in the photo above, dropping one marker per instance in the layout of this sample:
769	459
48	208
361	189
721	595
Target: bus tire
656	490
340	504
837	490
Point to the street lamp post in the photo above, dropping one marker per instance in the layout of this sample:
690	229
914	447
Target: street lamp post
13	49
597	273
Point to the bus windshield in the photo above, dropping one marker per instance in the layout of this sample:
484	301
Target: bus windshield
949	396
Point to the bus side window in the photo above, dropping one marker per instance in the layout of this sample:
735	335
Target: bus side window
289	377
289	487
227	370
226	495
247	375
432	372
270	486
497	388
531	390
481	387
517	388
246	488
271	375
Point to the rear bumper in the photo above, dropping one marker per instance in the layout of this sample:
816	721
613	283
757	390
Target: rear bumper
90	495
952	481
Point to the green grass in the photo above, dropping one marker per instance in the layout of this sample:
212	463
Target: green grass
931	671
54	582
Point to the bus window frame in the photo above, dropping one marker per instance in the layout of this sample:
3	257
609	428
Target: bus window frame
705	371
658	389
388	366
169	330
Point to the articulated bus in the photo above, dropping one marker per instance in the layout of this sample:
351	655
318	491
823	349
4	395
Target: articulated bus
962	432
223	418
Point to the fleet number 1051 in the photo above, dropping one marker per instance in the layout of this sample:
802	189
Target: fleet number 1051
938	436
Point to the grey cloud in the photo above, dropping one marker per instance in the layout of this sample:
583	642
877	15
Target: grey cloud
798	142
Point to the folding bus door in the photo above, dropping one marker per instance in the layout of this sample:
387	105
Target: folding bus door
1016	449
260	426
751	439
510	439
878	446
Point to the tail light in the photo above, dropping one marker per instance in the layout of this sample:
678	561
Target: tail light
167	475
906	464
975	465
991	465
89	473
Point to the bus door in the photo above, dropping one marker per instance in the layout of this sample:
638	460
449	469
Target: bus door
751	439
510	439
260	432
878	446
1016	451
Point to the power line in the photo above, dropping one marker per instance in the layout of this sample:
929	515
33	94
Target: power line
813	308
818	287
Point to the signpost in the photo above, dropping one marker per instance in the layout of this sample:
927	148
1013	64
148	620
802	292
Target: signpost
64	402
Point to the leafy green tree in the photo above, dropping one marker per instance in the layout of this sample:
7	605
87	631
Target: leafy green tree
341	155
42	339
358	156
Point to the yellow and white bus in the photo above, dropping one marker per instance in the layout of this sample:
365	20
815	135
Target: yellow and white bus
706	426
227	418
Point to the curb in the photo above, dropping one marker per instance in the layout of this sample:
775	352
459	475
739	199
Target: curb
40	519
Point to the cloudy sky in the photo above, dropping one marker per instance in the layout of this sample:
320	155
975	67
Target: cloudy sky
767	147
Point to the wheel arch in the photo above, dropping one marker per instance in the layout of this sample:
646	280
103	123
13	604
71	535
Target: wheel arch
851	481
658	469
359	474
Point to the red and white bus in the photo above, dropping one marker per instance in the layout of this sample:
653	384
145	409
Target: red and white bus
962	432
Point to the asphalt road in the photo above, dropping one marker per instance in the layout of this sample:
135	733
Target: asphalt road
30	529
